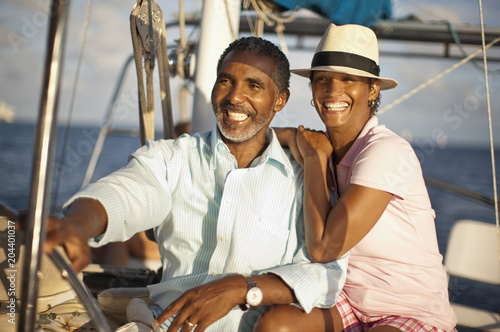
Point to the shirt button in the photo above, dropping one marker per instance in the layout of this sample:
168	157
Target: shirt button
214	274
223	238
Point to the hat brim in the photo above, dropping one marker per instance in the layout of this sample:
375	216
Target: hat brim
385	83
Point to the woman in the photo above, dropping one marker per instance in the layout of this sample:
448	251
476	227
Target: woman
381	213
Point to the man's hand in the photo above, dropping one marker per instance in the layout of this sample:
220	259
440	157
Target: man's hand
204	305
64	233
86	219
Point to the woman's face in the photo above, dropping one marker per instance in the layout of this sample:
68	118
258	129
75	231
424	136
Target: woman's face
341	100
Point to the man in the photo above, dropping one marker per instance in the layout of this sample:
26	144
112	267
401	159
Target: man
223	204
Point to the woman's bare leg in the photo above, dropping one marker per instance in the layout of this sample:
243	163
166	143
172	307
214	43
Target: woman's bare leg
288	318
386	328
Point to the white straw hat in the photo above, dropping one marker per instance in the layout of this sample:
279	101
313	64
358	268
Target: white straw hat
350	49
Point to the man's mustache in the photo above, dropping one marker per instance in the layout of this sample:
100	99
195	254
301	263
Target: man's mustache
228	106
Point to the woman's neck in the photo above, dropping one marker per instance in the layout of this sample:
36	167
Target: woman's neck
340	147
343	137
341	142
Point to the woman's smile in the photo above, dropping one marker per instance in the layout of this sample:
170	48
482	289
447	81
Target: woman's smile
338	106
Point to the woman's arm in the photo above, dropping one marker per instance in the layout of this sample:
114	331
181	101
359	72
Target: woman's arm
349	220
333	231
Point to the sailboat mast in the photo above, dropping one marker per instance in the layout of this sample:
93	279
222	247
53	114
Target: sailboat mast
219	26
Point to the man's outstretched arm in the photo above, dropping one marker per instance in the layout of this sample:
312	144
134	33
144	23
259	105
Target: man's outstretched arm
86	219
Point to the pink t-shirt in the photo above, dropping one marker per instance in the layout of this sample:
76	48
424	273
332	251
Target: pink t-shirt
396	268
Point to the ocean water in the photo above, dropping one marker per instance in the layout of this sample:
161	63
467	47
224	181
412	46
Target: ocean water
465	167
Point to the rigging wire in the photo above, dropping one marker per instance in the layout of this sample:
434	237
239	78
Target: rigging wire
457	41
453	32
492	147
72	103
437	77
452	29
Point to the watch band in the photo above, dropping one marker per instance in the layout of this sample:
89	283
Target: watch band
250	281
251	284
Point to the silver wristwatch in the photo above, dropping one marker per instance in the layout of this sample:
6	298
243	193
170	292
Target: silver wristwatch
254	295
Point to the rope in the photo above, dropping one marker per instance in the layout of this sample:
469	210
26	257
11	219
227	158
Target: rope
72	103
265	13
181	50
182	25
492	147
280	28
461	191
457	41
437	77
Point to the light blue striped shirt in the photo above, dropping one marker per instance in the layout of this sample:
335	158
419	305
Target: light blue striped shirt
212	219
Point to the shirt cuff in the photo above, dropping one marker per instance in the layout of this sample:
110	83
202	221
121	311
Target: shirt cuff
110	201
322	285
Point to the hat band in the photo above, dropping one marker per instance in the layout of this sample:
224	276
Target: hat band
345	59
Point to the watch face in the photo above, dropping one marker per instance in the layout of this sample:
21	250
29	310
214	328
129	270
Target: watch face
254	296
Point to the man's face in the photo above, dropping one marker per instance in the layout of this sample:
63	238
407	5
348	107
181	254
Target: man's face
244	97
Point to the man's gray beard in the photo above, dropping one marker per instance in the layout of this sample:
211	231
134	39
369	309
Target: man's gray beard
240	137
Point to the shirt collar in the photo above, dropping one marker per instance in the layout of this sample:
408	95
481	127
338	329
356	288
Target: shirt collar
273	155
218	146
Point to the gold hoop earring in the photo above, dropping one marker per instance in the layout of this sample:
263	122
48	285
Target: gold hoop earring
371	103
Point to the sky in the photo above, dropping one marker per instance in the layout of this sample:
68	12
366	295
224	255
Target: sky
452	110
